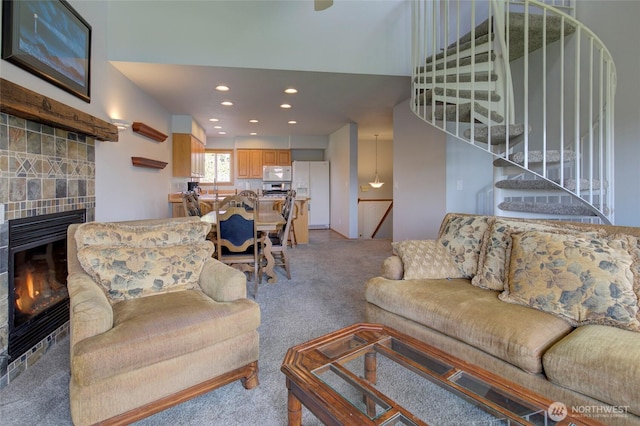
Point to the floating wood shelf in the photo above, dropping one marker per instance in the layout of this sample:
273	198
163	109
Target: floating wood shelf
147	162
149	132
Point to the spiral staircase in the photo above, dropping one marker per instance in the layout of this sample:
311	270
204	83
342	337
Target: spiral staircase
528	83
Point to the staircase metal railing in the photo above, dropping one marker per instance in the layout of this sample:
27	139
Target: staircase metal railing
525	81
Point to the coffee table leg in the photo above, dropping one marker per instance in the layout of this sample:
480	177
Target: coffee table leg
370	376
295	410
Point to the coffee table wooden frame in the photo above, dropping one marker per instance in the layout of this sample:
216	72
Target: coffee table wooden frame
306	388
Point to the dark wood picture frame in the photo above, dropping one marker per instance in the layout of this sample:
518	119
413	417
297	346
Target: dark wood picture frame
51	40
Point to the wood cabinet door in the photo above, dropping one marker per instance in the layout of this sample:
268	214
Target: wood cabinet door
284	157
255	163
243	163
269	157
181	155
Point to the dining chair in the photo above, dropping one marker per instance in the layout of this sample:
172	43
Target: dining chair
251	198
191	203
237	242
279	240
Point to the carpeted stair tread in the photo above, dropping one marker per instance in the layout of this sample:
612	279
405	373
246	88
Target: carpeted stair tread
482	77
498	133
481	95
536	157
462	112
480	58
454	48
543	184
546	208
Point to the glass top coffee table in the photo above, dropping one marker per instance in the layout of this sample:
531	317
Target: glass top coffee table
369	374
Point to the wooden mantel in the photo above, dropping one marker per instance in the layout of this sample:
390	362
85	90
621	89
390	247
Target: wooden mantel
21	102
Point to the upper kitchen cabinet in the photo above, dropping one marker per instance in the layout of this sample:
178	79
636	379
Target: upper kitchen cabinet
249	163
188	156
276	157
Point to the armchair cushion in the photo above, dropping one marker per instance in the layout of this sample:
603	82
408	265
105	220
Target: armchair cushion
129	272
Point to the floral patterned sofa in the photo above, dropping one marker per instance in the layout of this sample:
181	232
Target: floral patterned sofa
552	306
154	319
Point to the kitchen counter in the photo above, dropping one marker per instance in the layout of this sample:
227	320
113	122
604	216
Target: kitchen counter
300	222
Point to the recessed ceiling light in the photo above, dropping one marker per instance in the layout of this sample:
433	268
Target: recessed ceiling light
222	88
217	127
226	103
291	90
292	122
213	119
285	106
222	133
253	120
253	133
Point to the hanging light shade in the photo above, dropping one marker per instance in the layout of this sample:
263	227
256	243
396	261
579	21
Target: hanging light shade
376	183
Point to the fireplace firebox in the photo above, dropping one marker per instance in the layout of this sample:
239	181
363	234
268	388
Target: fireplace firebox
38	296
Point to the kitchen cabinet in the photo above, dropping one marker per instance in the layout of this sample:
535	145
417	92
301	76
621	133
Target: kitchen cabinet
188	156
276	157
249	163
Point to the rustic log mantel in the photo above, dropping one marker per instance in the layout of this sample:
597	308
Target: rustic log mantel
21	102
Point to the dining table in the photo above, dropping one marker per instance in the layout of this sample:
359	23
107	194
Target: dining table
267	221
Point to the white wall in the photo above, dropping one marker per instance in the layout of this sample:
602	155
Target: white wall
272	34
342	155
615	23
122	191
419	176
469	174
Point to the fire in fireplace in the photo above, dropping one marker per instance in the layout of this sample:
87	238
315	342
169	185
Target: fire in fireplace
39	300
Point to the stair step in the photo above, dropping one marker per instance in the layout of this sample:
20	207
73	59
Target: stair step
481	31
457	78
449	111
546	185
516	32
546	208
498	133
535	157
453	49
481	58
481	95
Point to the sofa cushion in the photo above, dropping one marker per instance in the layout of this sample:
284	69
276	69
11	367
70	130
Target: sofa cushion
598	361
513	333
140	235
130	272
152	329
426	259
493	253
583	280
462	235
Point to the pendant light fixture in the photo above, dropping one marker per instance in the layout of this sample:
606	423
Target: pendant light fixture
376	183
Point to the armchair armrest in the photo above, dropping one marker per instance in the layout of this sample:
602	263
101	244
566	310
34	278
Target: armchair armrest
392	268
90	311
221	282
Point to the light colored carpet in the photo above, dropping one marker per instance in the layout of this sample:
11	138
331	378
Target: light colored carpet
325	293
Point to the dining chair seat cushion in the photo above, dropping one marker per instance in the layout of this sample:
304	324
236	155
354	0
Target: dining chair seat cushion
236	229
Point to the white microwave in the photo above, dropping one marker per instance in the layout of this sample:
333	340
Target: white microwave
276	173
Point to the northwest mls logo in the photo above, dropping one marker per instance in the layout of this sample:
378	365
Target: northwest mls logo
557	411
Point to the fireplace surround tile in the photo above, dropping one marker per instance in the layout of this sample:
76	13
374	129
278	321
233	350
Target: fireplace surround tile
42	170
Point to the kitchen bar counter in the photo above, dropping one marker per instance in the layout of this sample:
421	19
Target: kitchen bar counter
300	223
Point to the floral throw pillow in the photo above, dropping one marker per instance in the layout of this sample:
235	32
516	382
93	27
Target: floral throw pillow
493	253
425	259
131	272
462	236
581	279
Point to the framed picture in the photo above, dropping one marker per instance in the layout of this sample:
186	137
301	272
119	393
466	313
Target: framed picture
50	39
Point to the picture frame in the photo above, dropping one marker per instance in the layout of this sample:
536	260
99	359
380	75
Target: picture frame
48	38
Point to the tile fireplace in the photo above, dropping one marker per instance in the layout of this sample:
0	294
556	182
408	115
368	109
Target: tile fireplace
44	170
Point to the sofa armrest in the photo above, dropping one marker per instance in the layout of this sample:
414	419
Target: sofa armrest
222	282
392	268
90	312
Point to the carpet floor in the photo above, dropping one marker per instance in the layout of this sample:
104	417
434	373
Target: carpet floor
324	294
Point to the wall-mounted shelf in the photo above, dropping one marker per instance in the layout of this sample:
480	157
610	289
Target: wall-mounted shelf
149	132
147	162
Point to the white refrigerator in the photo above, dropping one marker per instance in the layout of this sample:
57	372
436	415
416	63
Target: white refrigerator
311	179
